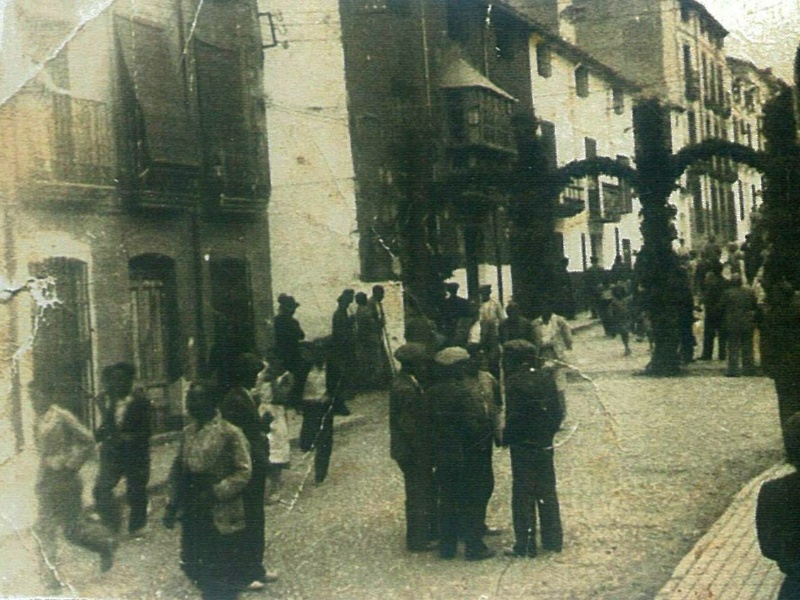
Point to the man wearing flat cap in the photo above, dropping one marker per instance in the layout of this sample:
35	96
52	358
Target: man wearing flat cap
411	439
533	416
457	447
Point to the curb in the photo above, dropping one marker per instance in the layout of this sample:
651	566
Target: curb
705	543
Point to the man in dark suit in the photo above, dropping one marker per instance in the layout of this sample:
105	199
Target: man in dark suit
341	354
124	433
411	439
457	450
533	416
240	409
778	516
288	335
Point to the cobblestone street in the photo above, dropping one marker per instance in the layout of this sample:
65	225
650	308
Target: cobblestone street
645	467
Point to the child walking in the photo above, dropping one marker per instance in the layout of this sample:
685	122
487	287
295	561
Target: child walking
274	387
316	432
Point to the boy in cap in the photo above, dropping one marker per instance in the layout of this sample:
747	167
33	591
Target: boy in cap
778	516
124	436
411	439
457	448
533	416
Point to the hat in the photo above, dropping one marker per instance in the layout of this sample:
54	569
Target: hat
485	287
519	347
287	301
452	285
451	356
411	352
347	294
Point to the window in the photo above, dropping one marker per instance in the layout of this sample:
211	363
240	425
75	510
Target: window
504	42
590	147
478	116
618	100
691	118
398	7
150	68
154	319
749	135
582	81
224	131
544	60
457	16
741	200
691	78
548	142
62	349
696	190
231	301
189	124
706	94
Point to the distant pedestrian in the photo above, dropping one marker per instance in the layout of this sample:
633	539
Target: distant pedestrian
456	449
454	309
370	348
515	327
778	517
595	276
553	338
490	316
207	482
316	433
274	388
411	444
713	322
564	294
738	305
383	374
124	435
64	446
620	316
533	416
239	408
621	271
342	354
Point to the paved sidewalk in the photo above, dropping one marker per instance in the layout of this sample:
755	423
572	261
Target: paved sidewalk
726	564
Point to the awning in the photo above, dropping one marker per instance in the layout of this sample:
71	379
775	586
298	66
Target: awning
458	73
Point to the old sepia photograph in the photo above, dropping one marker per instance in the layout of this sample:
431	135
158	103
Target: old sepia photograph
400	299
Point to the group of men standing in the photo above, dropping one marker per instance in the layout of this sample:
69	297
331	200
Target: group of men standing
445	419
731	311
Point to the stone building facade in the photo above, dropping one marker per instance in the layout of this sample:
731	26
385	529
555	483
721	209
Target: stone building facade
135	175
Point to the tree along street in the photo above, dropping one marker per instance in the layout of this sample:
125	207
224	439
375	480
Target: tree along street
645	466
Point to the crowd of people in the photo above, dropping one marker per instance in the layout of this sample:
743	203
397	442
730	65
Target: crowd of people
445	418
476	378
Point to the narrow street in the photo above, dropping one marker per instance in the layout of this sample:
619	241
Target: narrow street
645	466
